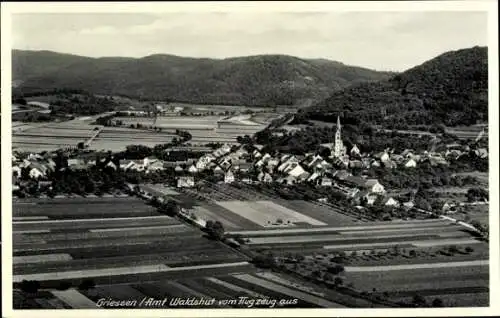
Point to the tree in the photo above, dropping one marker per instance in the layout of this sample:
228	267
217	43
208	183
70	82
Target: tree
437	302
81	145
30	286
215	229
86	284
338	281
418	300
469	249
327	277
64	285
335	270
170	208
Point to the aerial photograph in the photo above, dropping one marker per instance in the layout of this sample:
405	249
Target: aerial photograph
247	159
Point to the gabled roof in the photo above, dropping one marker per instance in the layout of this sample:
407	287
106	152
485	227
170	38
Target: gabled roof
371	182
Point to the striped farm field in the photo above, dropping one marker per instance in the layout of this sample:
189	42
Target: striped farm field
41	258
291	293
87	224
266	213
361	228
421	278
74	298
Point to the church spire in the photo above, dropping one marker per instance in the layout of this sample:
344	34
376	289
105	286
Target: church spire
338	122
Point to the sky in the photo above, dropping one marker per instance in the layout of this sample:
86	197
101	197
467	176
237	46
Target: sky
389	41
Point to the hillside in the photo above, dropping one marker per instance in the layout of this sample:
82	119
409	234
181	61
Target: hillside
451	89
253	80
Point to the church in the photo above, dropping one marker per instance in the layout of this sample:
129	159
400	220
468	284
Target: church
339	150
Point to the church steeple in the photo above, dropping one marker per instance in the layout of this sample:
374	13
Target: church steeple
339	149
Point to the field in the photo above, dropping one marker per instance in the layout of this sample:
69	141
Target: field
264	209
117	139
108	238
204	129
132	253
37	137
220	290
466	132
40	137
395	261
244	209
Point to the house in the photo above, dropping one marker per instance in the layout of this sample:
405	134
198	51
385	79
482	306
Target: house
436	161
257	153
453	154
342	175
371	185
390	201
303	176
192	169
229	177
375	163
111	165
218	170
481	153
374	186
136	165
44	184
179	169
314	161
355	164
16	171
272	163
295	170
185	182
368	197
244	166
409	204
326	182
390	164
264	177
156	165
313	177
410	163
36	173
355	151
288	180
289	161
75	162
382	156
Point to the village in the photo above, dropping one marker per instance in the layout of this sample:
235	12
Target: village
247	163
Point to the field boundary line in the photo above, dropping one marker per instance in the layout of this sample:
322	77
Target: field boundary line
354	269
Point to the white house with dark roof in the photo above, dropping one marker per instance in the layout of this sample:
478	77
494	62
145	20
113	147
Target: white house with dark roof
410	163
229	177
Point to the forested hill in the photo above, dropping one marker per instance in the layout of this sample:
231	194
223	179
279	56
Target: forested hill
451	89
254	80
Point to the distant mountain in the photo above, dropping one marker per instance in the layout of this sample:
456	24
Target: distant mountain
451	89
253	80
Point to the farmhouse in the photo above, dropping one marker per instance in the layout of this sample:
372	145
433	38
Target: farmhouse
16	171
389	201
178	169
481	153
36	173
410	163
371	185
355	151
229	177
185	182
192	169
326	182
382	156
